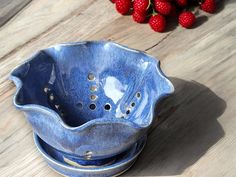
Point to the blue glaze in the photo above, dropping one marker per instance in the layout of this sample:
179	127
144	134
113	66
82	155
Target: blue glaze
120	165
97	97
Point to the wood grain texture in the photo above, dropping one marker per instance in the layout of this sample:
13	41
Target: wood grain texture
194	134
9	8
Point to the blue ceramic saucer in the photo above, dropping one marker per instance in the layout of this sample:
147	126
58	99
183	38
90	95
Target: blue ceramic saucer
70	168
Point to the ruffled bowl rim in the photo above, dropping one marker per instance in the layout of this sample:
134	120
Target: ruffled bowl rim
103	121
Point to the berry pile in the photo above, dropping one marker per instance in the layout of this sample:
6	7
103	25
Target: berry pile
157	12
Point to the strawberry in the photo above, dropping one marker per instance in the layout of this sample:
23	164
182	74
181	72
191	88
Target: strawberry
187	19
141	6
162	7
208	6
123	6
181	3
139	18
157	23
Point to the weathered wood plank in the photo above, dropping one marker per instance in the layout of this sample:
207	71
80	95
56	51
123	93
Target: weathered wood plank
38	17
9	8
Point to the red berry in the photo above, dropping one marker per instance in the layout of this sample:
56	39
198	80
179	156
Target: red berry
208	6
181	3
162	7
123	6
141	6
140	18
187	19
157	23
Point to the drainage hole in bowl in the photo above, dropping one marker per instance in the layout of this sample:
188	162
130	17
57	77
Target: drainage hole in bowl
62	113
92	106
93	97
57	106
93	88
51	97
133	104
138	94
88	155
107	107
46	89
91	77
79	105
127	112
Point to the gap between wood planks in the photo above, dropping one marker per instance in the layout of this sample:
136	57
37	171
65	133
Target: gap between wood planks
164	38
9	16
51	28
67	17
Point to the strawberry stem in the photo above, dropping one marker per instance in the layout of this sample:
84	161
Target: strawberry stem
154	12
153	9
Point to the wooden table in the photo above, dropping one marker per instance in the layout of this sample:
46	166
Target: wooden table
195	131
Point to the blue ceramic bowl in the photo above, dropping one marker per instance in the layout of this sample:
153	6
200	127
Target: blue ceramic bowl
91	100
